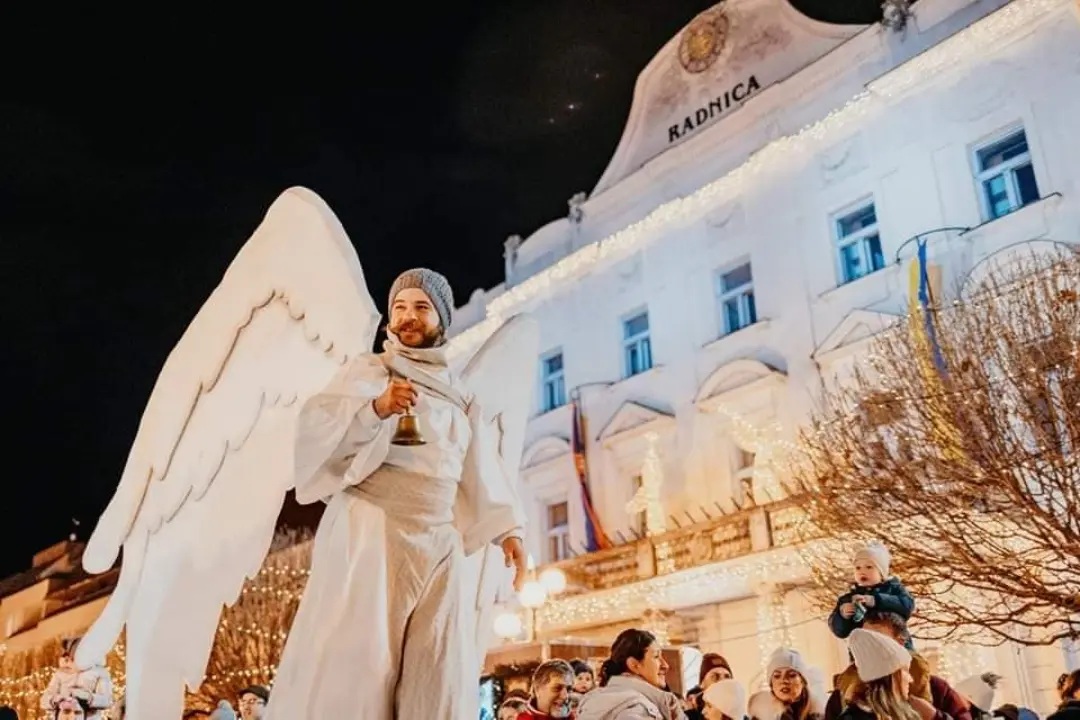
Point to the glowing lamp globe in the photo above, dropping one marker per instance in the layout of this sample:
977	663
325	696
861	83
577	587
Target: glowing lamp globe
508	625
553	580
532	594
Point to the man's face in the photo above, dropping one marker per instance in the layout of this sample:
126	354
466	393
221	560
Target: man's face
584	682
251	706
553	697
714	676
414	320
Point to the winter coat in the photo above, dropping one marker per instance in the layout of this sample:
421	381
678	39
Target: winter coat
533	714
929	687
1068	711
765	706
889	596
854	712
626	697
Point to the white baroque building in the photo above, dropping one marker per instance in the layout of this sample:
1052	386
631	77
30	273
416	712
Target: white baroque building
749	235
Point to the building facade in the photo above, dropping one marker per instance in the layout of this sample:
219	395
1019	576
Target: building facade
750	235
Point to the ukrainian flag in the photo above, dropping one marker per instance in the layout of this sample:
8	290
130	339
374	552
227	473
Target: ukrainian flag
922	281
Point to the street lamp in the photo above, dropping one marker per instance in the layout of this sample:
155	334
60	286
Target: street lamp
533	595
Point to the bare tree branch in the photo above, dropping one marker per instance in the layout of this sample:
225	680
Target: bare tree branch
967	470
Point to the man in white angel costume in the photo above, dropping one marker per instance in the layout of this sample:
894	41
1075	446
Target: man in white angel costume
274	386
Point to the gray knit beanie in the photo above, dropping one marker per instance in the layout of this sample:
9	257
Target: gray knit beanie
434	285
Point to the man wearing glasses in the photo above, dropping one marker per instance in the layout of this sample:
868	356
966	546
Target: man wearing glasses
253	702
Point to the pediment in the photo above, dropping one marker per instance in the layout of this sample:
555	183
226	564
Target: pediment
545	450
737	376
724	57
631	419
858	327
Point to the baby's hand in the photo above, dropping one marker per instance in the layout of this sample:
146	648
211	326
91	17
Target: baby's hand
867	601
847	611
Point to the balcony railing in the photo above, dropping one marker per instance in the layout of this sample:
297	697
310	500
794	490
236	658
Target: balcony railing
734	535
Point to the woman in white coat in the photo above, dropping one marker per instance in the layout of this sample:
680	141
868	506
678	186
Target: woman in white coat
634	678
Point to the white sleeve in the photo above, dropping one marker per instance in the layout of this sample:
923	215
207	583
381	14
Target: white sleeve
340	440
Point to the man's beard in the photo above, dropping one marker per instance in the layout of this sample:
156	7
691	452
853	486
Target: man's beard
431	337
561	710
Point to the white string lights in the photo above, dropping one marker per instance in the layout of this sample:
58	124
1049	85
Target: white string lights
971	45
774	623
648	498
702	585
769	446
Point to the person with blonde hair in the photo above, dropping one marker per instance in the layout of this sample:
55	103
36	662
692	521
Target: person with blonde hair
884	689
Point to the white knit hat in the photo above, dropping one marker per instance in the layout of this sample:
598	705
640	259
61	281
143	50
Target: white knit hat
979	690
729	697
434	285
786	658
877	655
878	554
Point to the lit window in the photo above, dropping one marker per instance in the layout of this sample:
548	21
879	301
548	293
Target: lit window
735	289
1006	176
553	382
858	243
637	348
558	531
744	474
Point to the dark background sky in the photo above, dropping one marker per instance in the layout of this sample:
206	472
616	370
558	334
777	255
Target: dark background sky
140	146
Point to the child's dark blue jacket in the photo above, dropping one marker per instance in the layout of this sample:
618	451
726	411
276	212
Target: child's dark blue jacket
889	596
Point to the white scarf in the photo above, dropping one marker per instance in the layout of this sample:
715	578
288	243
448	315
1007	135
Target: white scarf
418	366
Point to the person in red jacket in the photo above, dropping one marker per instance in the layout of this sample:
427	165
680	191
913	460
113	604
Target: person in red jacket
551	685
929	687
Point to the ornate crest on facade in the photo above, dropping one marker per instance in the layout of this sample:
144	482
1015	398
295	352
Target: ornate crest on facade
703	40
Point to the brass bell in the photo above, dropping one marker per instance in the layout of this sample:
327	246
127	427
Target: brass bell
408	431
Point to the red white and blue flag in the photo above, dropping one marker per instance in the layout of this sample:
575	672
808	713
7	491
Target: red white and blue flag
595	537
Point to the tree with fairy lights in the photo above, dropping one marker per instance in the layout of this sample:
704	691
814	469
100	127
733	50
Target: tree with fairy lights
252	632
954	441
25	674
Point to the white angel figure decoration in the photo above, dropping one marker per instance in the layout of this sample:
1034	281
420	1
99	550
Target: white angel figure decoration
274	386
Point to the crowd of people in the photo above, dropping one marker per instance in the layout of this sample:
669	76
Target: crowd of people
887	678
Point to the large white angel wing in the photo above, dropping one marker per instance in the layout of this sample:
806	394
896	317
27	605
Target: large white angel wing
501	376
211	463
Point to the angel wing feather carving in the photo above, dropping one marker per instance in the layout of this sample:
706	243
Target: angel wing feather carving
212	459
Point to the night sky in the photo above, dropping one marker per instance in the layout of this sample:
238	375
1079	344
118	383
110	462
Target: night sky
140	146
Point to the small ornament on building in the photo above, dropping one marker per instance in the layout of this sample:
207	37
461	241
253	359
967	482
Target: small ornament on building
577	211
510	255
896	14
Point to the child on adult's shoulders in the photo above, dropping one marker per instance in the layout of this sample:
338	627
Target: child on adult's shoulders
873	589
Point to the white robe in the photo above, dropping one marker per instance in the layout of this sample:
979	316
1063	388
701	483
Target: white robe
386	626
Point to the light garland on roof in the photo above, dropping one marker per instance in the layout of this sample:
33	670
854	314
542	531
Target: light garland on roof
782	154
